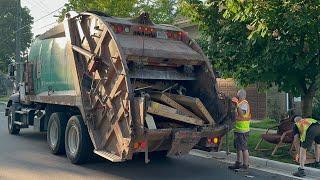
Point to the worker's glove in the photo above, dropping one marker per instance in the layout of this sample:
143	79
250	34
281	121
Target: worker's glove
235	100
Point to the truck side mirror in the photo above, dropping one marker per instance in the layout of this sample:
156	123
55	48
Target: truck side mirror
11	70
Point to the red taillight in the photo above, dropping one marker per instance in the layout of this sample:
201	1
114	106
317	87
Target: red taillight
175	35
179	36
140	145
184	36
169	34
119	28
145	29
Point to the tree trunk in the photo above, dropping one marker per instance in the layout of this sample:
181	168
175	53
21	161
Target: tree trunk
306	104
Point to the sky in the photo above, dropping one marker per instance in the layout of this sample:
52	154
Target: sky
41	8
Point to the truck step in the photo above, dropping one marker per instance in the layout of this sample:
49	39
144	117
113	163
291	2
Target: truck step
109	156
19	123
22	112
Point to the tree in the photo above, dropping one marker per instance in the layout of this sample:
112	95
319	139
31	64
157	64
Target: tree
162	11
269	41
120	8
8	31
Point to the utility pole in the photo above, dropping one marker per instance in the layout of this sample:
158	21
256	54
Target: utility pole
18	39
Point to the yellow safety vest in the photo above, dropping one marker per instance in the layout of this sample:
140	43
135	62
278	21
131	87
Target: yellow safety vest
243	122
303	126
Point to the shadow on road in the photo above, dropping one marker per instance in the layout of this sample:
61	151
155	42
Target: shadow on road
33	136
159	167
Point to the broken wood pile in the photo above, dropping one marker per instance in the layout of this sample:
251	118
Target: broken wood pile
179	108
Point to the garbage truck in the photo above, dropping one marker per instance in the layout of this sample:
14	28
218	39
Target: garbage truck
116	87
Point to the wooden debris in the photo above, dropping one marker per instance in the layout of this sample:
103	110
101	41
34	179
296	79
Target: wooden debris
167	100
195	104
171	113
150	122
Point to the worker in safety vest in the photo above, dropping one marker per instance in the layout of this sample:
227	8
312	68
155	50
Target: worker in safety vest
306	130
241	131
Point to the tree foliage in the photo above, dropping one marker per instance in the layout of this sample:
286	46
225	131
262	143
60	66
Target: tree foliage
8	21
120	8
162	11
268	41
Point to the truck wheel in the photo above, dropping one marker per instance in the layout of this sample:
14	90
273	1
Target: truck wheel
56	132
12	128
77	141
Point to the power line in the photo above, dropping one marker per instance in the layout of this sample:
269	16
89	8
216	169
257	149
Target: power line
43	5
49	14
46	26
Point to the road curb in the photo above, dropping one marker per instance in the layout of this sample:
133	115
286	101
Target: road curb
261	164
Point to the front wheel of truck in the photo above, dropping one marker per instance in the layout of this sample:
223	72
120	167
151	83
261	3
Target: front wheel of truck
77	141
12	127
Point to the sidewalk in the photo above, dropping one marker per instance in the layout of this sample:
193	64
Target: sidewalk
267	165
264	130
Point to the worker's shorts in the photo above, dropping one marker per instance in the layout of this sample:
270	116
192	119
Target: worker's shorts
241	141
313	134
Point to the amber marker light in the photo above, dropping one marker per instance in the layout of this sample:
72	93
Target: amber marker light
215	140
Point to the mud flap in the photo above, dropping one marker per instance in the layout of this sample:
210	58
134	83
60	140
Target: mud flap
183	142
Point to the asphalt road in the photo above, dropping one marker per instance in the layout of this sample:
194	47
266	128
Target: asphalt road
26	156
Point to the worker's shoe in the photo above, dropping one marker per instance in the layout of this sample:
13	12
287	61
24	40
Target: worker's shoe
300	173
245	167
236	165
316	164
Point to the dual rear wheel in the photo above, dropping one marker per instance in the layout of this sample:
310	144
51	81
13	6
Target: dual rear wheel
69	136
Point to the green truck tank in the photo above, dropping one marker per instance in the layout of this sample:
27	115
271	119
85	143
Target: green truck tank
116	87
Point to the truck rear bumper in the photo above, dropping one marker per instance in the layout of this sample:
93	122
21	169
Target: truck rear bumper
181	141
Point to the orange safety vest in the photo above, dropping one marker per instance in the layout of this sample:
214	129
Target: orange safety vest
243	121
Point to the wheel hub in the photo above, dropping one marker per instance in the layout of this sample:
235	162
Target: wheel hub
73	140
53	134
10	120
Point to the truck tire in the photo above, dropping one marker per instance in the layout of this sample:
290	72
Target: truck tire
12	128
56	132
77	141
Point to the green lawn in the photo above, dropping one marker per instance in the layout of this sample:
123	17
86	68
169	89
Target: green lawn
263	124
282	154
4	98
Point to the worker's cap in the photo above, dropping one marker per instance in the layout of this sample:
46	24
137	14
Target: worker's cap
242	93
296	118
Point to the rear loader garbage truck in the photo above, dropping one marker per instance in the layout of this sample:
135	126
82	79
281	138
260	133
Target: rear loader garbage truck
116	87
